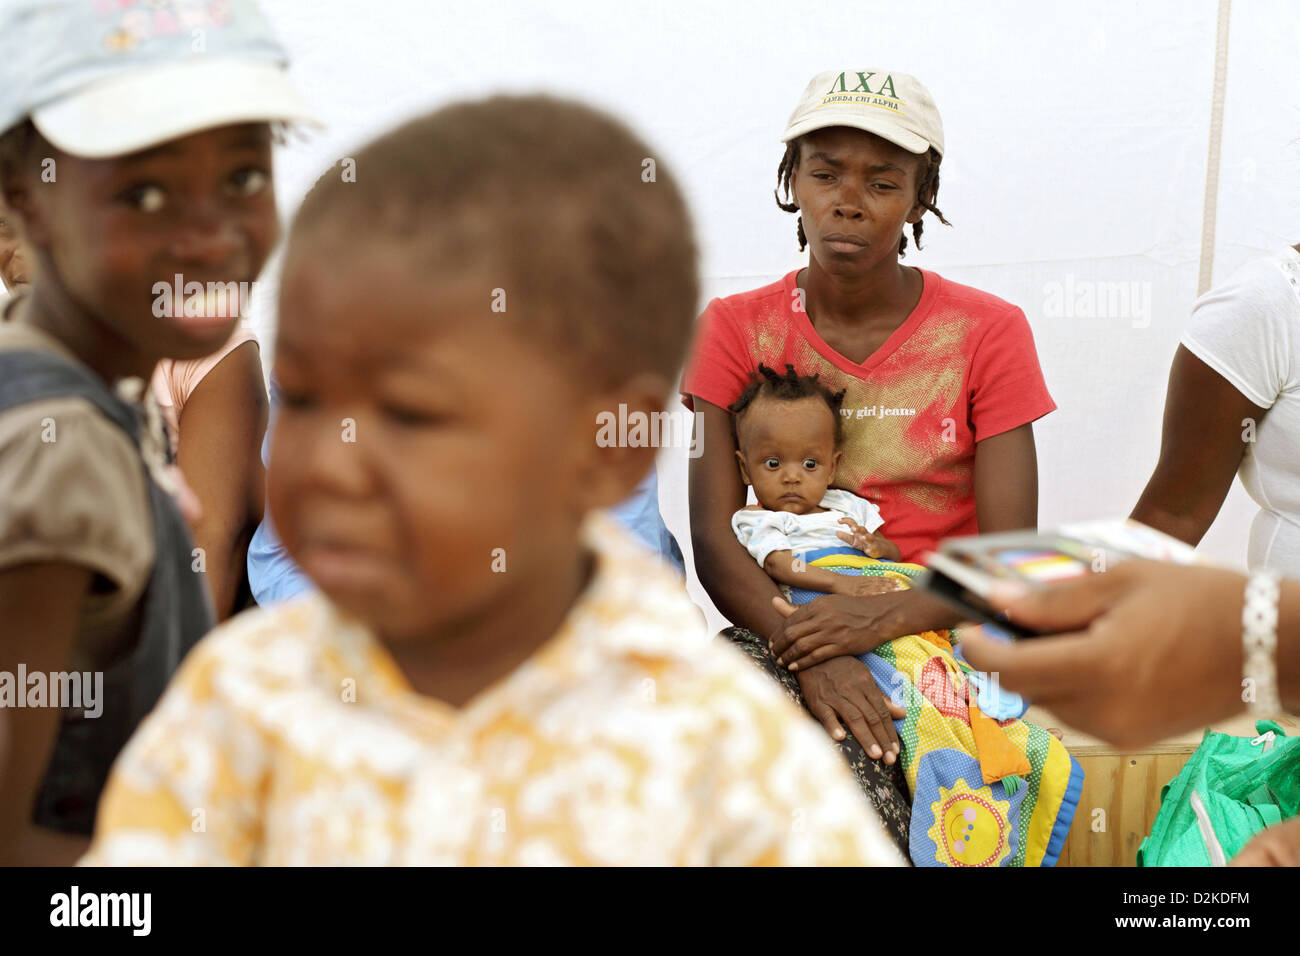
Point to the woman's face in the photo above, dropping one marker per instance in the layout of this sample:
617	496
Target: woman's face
856	192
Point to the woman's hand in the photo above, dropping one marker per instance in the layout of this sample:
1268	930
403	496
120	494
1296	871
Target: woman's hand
832	626
1151	649
872	545
1279	845
842	691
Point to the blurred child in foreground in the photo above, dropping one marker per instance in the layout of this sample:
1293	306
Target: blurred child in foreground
492	672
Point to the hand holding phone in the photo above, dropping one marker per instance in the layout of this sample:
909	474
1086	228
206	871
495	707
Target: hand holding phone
963	570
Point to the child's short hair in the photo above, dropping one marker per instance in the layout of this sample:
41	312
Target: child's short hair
556	204
789	387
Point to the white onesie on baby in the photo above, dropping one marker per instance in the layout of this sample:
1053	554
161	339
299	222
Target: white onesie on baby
763	532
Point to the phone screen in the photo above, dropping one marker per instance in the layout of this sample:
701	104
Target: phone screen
963	572
1039	565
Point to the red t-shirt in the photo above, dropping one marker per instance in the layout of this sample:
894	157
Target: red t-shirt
960	369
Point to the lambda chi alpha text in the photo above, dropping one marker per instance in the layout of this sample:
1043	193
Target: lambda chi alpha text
885	87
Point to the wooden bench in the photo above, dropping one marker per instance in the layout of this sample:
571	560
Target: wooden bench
1125	786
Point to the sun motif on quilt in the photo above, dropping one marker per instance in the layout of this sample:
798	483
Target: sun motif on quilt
970	826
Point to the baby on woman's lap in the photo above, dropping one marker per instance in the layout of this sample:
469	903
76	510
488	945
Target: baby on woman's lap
788	435
963	747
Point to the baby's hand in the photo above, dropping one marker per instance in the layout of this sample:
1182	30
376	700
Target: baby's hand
872	545
866	585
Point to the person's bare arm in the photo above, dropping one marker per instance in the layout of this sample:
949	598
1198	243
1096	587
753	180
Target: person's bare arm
1006	481
39	605
738	587
781	567
219	454
1201	447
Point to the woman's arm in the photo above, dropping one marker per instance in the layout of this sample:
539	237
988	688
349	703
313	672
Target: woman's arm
1006	481
738	587
221	432
40	605
1201	447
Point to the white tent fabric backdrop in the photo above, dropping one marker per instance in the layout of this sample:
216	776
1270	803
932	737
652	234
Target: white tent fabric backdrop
1074	177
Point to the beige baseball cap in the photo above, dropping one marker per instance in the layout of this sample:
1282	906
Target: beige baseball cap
894	106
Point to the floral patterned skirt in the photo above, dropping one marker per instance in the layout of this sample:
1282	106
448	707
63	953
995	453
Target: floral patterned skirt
884	784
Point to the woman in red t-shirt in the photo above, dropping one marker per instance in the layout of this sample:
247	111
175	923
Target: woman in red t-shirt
942	384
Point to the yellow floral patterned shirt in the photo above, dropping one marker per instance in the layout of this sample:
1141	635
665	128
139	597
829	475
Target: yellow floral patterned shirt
289	736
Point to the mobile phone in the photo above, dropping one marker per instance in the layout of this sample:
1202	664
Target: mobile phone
963	570
962	573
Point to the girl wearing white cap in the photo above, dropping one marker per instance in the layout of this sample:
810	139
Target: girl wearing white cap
135	147
942	384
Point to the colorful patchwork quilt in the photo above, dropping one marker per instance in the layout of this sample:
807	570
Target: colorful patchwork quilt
988	789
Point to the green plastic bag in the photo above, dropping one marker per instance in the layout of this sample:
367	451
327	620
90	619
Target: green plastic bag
1230	789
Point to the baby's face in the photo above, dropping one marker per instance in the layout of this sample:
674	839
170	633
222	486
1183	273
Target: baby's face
428	459
787	452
